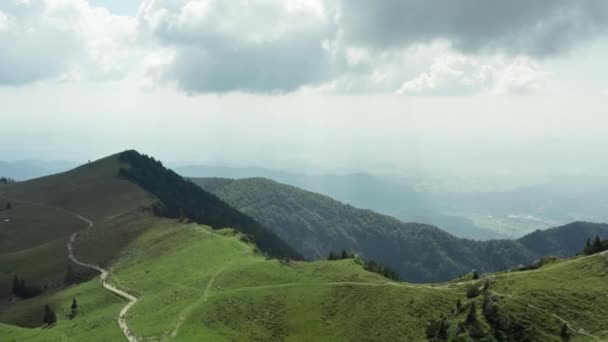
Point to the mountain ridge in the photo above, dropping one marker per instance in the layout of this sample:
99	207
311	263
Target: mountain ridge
316	224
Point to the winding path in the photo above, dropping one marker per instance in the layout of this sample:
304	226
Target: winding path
122	319
122	316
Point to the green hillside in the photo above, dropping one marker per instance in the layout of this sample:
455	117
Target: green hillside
315	225
196	283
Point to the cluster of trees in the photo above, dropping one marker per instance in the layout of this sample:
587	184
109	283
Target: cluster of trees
49	317
182	199
22	290
376	267
6	180
369	265
340	256
596	247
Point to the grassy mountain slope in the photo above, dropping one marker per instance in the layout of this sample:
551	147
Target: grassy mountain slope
199	284
316	224
34	237
195	283
34	240
561	301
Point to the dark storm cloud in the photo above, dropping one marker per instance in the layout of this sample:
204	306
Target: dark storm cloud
280	66
534	27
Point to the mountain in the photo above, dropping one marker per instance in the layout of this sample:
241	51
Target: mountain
315	225
363	191
108	192
190	282
180	198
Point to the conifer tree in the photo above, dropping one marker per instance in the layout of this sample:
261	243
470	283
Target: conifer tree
565	332
49	315
344	254
70	277
597	244
472	315
74	308
16	286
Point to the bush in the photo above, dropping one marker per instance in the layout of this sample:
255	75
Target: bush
473	291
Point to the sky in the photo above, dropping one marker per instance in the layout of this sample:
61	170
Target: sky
511	91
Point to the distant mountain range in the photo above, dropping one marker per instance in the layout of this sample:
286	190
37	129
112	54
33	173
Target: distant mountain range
28	169
238	279
363	191
315	225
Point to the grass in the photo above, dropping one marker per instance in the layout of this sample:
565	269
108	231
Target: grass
220	289
33	241
195	284
536	304
95	321
33	245
198	284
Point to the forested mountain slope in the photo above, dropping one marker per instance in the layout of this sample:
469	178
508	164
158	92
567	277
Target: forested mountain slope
315	225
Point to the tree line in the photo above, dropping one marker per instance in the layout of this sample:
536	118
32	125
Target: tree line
6	180
597	246
23	290
182	199
368	265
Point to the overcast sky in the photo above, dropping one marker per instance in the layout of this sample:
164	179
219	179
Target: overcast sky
462	87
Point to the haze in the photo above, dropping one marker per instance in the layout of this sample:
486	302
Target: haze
313	86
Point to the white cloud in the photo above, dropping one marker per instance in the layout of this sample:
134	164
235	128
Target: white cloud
64	40
459	74
269	46
3	21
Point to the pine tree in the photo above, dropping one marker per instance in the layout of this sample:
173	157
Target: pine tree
472	315
475	275
344	255
486	285
49	315
597	245
70	277
565	333
587	249
442	334
458	306
74	308
8	205
332	256
16	286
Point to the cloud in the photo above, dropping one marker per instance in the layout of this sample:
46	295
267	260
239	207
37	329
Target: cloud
254	46
536	28
280	46
455	74
61	39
